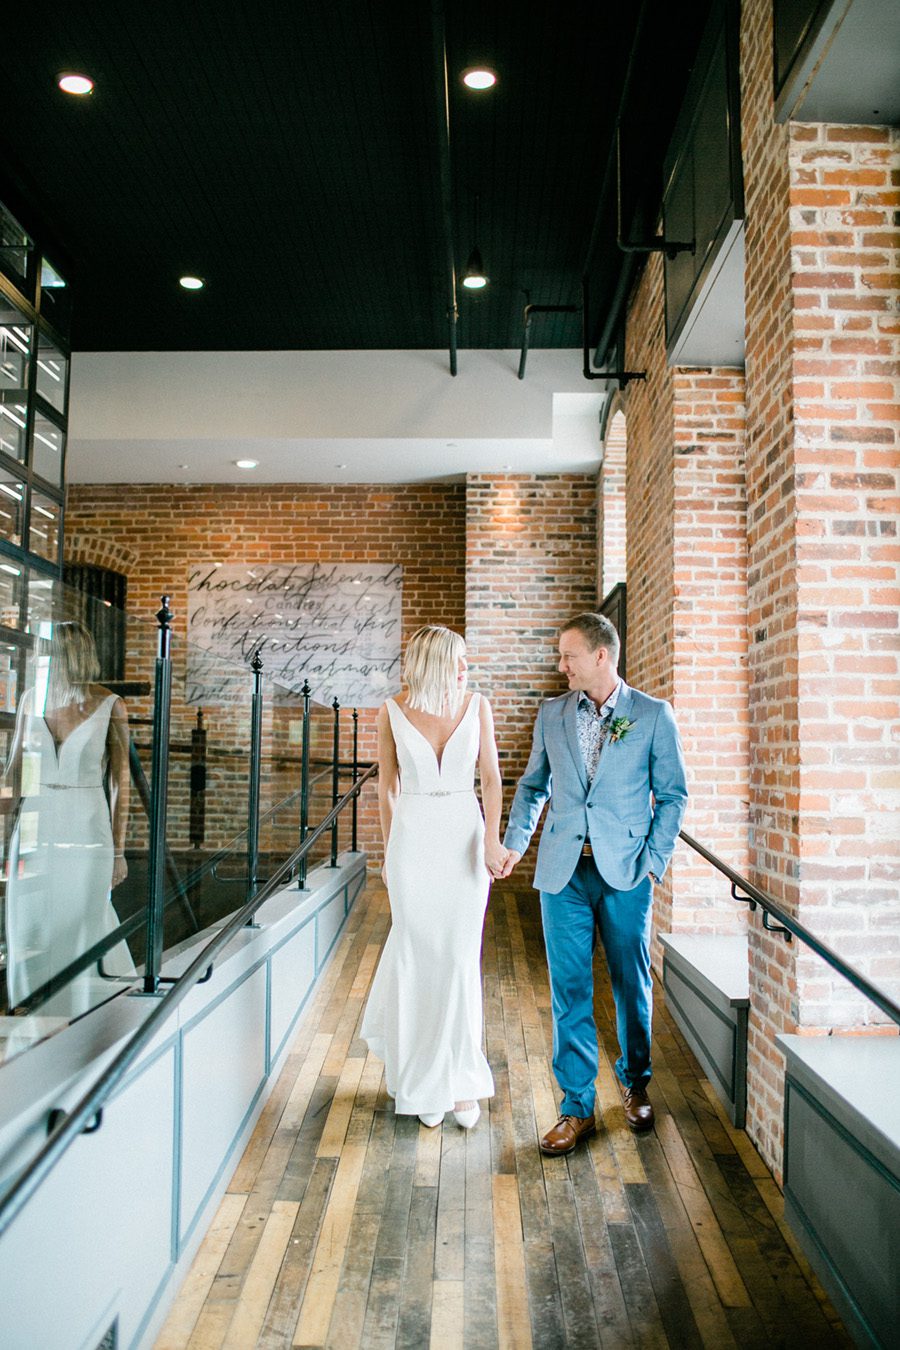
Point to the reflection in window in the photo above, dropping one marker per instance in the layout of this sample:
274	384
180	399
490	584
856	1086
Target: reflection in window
52	371
13	429
47	451
11	494
44	527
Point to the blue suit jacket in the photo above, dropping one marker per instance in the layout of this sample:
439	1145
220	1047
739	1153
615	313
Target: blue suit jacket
629	837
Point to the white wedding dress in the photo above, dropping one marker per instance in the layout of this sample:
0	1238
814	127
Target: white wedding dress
424	1014
60	866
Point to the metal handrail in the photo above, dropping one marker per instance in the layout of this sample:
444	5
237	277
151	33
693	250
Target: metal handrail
769	906
86	1111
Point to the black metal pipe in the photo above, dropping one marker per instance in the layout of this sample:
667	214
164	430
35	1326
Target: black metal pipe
768	905
527	314
335	777
87	1108
304	784
256	718
355	807
442	94
159	785
623	376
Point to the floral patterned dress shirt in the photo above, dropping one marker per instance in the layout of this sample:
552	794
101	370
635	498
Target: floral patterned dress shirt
593	728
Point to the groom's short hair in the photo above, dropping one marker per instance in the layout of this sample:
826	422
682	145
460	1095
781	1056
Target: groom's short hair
597	630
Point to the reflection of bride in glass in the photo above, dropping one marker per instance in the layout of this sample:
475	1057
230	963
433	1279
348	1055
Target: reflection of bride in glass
68	845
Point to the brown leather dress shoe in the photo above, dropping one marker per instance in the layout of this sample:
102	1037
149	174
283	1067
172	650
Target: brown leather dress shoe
638	1109
566	1133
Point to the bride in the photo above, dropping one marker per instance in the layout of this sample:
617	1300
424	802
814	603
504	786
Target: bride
67	850
424	1017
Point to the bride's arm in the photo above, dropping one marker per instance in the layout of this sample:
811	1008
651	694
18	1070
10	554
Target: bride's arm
388	775
117	742
491	791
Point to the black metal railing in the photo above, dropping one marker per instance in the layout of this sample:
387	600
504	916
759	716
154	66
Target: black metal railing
789	928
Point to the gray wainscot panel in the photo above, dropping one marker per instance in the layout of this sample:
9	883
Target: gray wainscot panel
707	989
842	1174
111	1234
293	968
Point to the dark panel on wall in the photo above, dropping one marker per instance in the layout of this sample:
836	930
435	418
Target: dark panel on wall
704	182
797	24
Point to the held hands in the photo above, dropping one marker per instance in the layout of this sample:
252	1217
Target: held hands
499	861
495	857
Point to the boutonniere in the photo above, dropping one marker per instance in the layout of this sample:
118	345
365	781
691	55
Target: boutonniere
619	729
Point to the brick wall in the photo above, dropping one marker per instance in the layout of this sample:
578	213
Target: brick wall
530	564
710	640
821	481
611	515
845	255
687	605
156	533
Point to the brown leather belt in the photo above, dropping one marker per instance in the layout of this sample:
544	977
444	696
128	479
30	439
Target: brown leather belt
586	850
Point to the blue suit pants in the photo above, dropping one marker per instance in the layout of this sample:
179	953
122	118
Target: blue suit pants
572	919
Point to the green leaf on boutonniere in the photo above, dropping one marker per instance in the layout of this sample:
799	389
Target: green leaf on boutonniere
619	729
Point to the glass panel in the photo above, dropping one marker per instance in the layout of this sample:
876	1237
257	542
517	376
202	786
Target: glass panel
15	351
47	449
15	246
52	373
12	491
55	298
11	582
43	532
13	426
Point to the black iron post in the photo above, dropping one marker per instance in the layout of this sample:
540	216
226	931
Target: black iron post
355	807
256	715
197	823
159	786
302	866
335	778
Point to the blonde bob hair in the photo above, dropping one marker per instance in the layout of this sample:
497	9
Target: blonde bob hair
431	670
73	663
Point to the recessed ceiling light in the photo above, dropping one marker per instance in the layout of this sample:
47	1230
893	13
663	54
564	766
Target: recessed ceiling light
183	466
479	77
475	283
191	283
70	83
246	463
340	466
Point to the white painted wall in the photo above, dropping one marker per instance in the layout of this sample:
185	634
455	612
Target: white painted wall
387	416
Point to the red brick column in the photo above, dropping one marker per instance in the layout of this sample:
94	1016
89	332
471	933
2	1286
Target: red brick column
687	616
710	641
530	565
821	478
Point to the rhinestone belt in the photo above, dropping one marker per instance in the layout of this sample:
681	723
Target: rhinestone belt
451	792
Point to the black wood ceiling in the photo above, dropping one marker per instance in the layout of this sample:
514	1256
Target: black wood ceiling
288	152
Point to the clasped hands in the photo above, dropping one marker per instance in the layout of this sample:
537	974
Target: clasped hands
500	861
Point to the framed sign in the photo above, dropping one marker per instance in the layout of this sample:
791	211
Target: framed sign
336	625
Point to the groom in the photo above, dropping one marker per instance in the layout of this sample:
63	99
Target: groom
599	752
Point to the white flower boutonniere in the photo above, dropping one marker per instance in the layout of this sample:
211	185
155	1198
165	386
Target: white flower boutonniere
619	729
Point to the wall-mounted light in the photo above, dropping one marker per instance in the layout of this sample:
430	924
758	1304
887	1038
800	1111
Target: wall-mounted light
70	83
479	77
474	277
246	463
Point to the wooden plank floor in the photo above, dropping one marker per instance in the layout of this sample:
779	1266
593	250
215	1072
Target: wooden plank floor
347	1226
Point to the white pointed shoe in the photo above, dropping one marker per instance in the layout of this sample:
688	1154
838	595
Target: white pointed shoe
468	1117
431	1121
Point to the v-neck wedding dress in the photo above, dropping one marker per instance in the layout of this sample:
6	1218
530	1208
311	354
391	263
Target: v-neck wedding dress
60	865
424	1014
